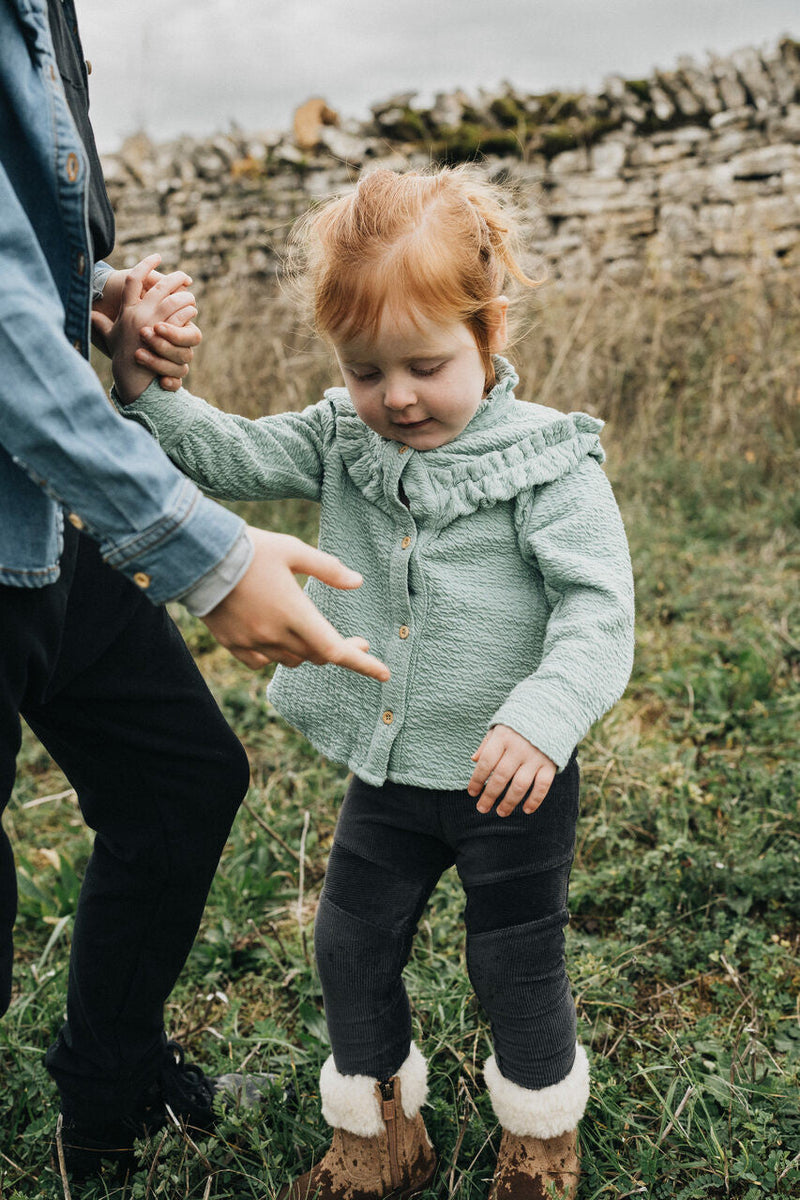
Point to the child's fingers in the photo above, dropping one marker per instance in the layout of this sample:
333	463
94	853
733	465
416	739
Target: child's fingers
161	366
544	778
496	784
173	350
517	790
179	335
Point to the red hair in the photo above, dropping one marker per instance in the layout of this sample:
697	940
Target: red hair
440	244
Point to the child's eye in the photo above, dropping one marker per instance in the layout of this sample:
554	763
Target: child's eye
364	377
424	372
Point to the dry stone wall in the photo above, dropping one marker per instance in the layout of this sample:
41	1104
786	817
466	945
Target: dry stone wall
689	176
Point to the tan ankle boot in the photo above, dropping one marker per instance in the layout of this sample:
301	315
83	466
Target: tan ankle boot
538	1158
531	1168
380	1146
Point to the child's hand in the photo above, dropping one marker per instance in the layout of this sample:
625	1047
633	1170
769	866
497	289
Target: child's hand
172	352
169	348
141	308
509	762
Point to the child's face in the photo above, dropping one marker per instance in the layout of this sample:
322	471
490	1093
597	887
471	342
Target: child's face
417	383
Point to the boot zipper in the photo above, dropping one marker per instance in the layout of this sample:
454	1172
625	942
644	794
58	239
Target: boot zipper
390	1120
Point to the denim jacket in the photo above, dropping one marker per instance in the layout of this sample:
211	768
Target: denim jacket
62	445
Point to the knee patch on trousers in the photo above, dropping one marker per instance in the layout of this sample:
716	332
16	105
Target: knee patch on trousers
519	976
360	966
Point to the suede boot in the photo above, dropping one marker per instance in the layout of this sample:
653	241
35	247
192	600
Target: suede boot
380	1146
531	1168
538	1157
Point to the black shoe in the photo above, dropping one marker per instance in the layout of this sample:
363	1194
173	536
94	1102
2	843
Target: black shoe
182	1094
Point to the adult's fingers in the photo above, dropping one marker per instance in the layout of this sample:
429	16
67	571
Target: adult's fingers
323	643
308	560
175	281
134	281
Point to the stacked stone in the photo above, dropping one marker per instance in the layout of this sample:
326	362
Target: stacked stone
690	175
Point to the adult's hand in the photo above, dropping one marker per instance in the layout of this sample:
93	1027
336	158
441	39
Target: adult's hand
268	618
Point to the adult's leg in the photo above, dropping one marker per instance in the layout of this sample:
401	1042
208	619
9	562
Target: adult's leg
30	634
159	777
385	862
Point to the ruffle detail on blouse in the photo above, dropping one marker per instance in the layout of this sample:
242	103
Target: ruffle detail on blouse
508	447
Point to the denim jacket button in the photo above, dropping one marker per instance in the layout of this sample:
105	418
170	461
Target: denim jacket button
75	520
142	579
80	263
73	167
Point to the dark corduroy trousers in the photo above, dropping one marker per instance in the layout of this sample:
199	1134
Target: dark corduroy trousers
391	846
106	683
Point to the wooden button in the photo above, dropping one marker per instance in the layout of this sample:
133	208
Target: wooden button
404	631
388	717
73	167
406	542
402	449
141	579
75	520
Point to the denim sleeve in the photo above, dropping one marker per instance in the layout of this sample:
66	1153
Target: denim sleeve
56	423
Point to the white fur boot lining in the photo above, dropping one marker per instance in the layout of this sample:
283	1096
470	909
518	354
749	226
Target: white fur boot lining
349	1101
546	1112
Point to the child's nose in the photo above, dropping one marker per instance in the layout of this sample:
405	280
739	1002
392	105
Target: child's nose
398	394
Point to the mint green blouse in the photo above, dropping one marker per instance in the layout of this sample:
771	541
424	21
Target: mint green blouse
497	581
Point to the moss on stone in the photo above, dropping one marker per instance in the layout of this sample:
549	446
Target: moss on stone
507	112
558	107
640	88
468	141
555	139
411	127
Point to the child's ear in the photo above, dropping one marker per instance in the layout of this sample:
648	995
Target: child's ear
498	325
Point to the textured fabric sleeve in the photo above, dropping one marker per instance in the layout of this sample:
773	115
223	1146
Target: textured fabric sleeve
571	530
231	457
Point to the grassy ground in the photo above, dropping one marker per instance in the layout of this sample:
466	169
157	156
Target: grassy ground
685	935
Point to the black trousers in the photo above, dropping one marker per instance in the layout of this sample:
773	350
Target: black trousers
391	846
107	684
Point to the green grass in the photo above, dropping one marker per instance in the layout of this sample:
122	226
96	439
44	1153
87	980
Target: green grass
684	945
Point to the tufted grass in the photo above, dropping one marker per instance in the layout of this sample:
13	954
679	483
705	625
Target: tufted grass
685	937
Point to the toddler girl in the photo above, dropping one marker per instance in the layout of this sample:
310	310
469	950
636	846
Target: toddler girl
497	590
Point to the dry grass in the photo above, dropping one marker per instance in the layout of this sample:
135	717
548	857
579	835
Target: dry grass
707	374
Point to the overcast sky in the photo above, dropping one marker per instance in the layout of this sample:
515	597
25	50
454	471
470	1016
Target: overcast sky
195	66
